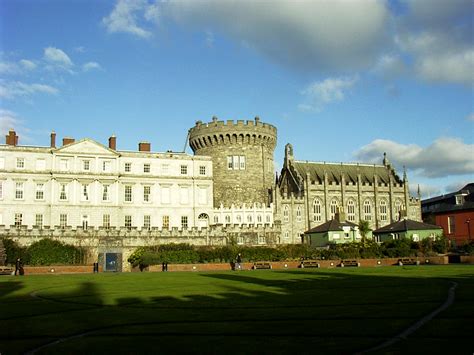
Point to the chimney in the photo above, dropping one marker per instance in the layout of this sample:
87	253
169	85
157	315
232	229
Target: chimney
144	147
53	139
340	216
11	138
113	142
68	140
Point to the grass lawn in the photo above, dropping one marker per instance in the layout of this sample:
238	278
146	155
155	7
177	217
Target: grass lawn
328	311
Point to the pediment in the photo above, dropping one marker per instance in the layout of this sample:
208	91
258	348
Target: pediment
86	146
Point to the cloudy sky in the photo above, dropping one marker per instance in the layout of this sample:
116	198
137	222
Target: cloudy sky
343	81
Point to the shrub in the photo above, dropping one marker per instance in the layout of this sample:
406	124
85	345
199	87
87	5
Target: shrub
15	251
50	252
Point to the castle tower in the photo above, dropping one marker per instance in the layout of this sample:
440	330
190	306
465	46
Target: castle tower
242	158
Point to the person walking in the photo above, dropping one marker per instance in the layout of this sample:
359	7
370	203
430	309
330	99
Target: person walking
238	261
18	267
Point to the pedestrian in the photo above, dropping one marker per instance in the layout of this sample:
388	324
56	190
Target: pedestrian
18	267
238	260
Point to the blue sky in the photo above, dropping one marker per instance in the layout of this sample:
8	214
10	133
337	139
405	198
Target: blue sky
342	80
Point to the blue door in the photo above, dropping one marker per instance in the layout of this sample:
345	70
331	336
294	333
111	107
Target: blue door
111	262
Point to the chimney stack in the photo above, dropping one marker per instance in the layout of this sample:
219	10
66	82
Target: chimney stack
113	142
144	147
11	138
53	139
68	140
340	216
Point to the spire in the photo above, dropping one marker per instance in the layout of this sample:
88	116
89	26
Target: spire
405	178
418	192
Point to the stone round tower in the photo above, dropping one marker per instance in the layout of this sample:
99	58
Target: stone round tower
242	158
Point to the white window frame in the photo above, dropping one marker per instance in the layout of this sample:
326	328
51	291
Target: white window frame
105	193
165	222
85	192
128	167
86	165
39	193
147	168
128	193
39	220
20	163
317	215
184	222
146	193
128	221
19	190
106	221
183	169
202	170
147	222
63	220
18	220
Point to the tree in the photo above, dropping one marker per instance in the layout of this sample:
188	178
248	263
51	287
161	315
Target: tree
364	229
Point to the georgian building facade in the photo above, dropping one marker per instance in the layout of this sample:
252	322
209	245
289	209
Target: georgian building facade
87	185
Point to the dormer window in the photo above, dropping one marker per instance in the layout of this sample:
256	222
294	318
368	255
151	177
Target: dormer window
459	199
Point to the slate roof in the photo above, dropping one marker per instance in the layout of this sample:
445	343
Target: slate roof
447	203
331	226
405	225
334	171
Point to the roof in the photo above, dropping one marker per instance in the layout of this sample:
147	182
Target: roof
447	203
405	225
350	171
331	226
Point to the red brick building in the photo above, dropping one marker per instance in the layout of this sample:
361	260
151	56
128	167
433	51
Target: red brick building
453	212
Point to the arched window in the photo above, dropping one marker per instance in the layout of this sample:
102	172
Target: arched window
298	213
216	219
367	210
239	218
351	211
286	213
227	219
317	217
383	210
397	208
334	208
259	218
249	218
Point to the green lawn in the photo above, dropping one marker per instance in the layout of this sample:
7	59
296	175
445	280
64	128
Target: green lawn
329	311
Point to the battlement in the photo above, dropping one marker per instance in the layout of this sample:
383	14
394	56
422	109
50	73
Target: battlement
231	126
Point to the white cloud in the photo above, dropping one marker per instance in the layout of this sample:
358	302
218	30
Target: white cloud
91	66
11	90
444	157
470	117
389	66
324	92
8	120
28	64
8	68
127	14
57	57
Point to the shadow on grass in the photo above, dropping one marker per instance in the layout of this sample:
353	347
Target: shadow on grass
336	312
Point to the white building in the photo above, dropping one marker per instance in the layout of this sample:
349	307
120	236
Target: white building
85	184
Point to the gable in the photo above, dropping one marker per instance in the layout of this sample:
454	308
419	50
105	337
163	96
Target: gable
86	146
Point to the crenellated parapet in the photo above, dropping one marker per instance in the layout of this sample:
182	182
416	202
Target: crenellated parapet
231	132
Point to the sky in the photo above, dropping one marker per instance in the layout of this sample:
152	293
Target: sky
343	81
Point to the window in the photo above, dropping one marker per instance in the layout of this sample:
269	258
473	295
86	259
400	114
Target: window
367	210
336	236
451	225
286	213
383	210
105	193
216	219
165	194
240	240
242	162
85	222
459	199
165	221
184	170
165	169
128	167
106	164
317	210
63	220
64	164
39	191
18	220
334	206
40	164
416	238
236	162
286	236
227	219
261	239
202	195
351	211
183	195
128	193
249	219
86	165
1	190
267	218
202	170
128	222
39	221
146	168
397	209
2	163
298	213
147	222
85	192
20	163
19	187
106	221
146	193
184	222
239	218
259	218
